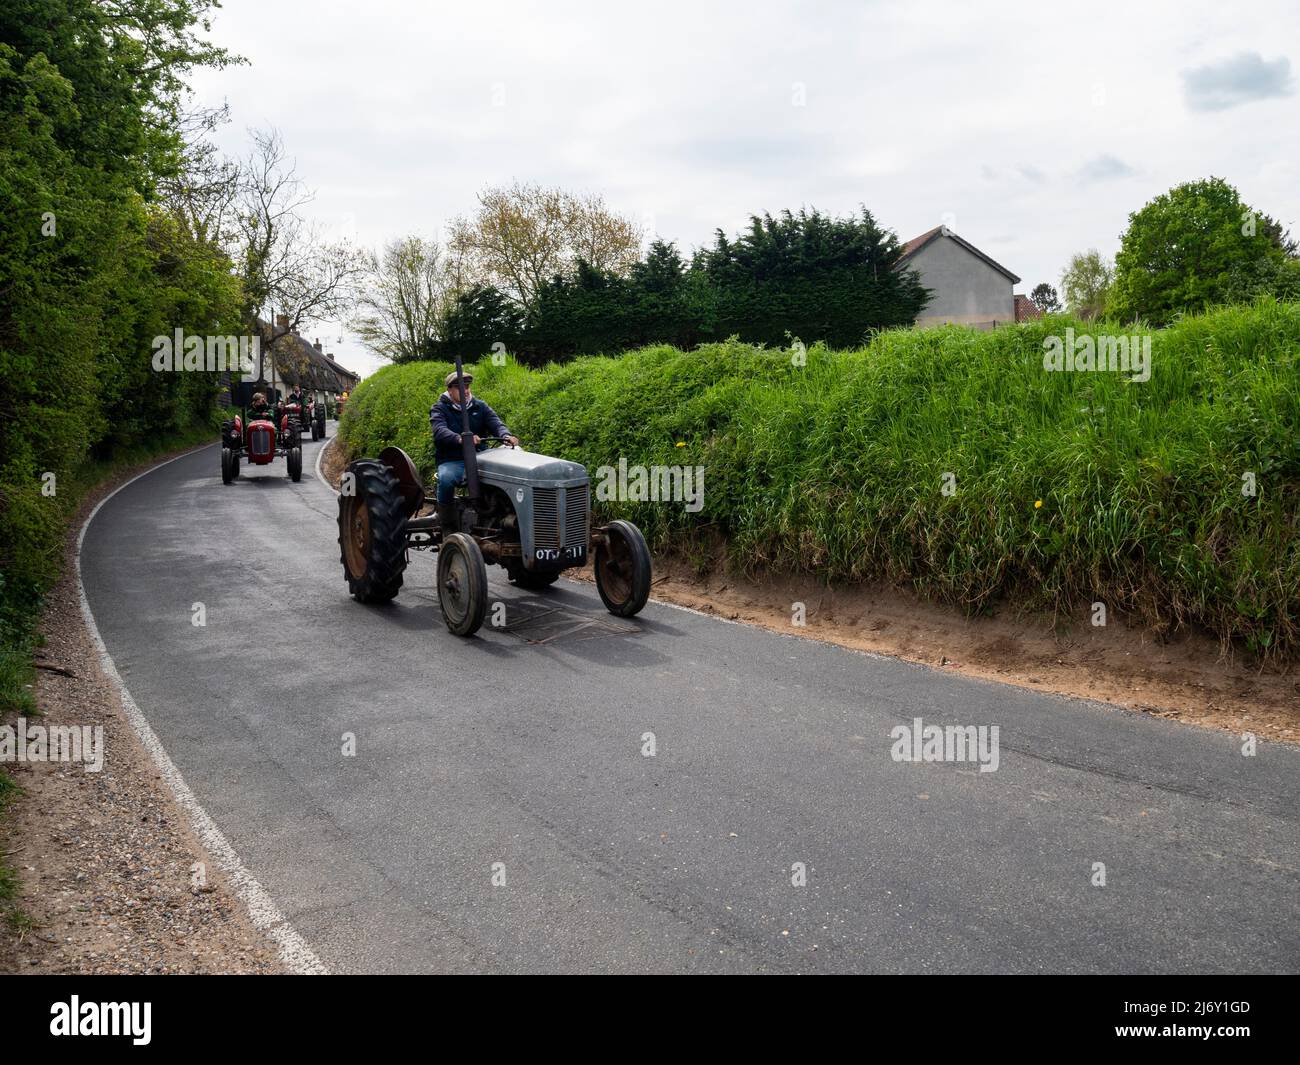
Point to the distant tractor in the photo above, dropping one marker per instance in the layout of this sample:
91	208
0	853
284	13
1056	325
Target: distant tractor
530	514
258	437
300	418
309	417
317	412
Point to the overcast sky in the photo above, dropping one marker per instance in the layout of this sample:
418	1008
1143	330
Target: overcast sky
1031	130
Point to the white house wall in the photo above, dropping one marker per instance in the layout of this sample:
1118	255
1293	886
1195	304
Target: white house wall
966	290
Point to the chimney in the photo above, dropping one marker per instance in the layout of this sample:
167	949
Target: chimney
281	323
316	344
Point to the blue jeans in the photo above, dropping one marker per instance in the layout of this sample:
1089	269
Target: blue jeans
450	474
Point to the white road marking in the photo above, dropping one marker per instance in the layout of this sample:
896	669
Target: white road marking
320	455
297	956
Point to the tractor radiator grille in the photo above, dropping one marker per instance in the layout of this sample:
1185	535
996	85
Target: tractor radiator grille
546	517
575	516
260	441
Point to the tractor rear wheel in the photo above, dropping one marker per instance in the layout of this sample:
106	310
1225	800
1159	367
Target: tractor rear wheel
462	584
226	472
372	532
622	566
294	459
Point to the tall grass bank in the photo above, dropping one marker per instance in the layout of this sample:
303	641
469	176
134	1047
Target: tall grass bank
976	467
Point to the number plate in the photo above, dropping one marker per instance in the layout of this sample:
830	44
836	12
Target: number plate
575	553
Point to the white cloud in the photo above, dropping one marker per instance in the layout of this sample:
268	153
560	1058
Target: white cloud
685	112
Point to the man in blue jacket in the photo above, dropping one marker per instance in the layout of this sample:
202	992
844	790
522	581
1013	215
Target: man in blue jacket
445	418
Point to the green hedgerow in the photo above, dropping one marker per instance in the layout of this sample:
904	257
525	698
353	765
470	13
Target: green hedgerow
1069	488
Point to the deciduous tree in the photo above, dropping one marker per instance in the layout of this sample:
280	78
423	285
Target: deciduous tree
405	295
1190	247
1044	297
1084	283
523	235
287	266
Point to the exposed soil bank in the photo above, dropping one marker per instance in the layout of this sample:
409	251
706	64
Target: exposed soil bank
1186	677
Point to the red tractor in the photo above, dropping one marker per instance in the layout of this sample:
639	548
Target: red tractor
308	414
258	435
316	413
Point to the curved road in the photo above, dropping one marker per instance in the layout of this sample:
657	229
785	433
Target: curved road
524	747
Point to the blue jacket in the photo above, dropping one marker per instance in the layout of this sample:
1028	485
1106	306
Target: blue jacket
445	419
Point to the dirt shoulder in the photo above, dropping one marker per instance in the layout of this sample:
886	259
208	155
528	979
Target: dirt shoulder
107	861
1186	677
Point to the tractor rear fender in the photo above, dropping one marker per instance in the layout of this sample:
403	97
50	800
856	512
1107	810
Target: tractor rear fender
408	478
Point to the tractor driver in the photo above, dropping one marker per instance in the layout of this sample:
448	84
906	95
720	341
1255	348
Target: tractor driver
297	396
445	419
259	408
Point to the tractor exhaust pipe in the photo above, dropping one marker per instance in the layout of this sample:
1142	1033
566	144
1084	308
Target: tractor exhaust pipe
467	439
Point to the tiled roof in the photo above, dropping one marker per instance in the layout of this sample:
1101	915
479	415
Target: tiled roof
1026	309
917	243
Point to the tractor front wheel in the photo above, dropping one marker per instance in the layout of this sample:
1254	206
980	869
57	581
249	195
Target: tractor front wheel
294	459
462	584
372	532
622	566
226	474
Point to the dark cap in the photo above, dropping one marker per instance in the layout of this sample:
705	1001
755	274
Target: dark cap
451	378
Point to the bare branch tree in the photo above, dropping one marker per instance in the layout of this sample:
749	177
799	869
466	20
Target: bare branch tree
202	192
408	289
289	270
525	234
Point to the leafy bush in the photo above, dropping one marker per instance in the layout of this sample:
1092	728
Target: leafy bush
1070	487
1197	244
93	265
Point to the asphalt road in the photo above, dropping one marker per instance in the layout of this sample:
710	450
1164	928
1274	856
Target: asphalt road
524	746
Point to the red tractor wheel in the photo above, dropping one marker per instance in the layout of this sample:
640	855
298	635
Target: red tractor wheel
227	474
294	459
